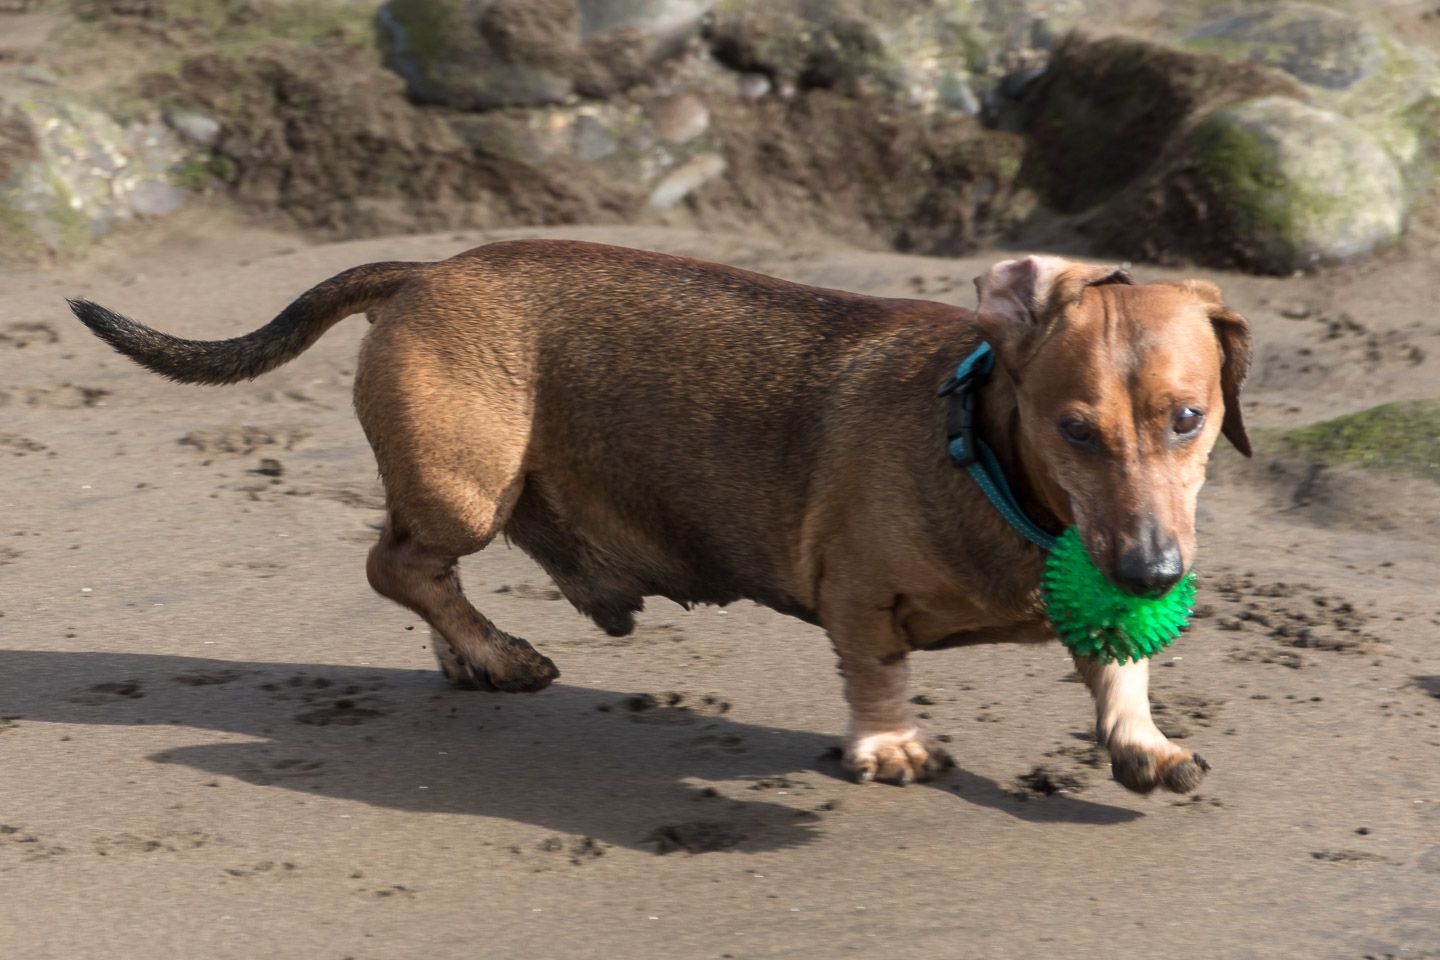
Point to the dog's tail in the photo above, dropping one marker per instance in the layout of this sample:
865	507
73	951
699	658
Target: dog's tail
243	358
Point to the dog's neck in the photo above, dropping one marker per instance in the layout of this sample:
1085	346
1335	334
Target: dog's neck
999	421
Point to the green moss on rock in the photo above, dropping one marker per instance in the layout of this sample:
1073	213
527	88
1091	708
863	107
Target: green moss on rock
1402	437
1298	187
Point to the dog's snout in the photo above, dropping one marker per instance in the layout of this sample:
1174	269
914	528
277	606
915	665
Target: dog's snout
1151	567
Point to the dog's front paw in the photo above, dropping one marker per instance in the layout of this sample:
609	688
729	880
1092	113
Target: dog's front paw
1142	769
899	757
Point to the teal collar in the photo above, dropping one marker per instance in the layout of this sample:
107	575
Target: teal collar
974	455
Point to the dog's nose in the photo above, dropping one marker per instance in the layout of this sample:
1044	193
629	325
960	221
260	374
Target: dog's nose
1150	570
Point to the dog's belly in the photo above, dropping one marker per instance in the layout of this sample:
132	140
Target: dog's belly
606	567
1030	632
938	621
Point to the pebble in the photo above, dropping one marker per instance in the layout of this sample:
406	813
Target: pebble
752	86
689	176
680	119
198	128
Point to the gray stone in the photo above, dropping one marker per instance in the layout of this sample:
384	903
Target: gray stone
1314	44
1429	861
686	178
750	85
156	198
485	54
591	138
900	50
37	74
661	20
956	95
1349	66
199	128
1293	187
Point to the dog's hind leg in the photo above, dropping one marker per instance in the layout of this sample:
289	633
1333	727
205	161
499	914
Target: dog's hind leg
473	653
451	456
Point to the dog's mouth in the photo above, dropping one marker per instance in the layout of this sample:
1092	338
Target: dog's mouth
1149	568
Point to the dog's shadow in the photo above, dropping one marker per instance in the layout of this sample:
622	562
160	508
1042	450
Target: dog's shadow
614	766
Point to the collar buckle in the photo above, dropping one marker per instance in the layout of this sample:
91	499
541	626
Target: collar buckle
962	389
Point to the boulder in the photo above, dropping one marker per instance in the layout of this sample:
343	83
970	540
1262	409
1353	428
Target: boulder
70	173
485	54
933	55
1271	185
1316	45
1345	64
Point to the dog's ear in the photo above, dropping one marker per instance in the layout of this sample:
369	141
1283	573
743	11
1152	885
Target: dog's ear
1018	298
1233	332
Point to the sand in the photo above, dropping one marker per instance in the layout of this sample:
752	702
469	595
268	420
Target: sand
218	742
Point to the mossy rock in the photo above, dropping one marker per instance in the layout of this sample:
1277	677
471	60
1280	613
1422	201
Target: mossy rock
1346	64
1269	185
1294	187
1402	437
70	173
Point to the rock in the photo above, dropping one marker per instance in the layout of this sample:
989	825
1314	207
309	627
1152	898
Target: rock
38	74
752	86
480	54
1271	185
689	176
484	54
921	53
661	22
69	173
955	94
1346	65
199	128
1316	45
591	138
155	198
679	119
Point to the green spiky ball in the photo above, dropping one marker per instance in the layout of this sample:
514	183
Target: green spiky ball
1097	619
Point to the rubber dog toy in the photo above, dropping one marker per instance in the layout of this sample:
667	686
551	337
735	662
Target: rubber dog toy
1095	618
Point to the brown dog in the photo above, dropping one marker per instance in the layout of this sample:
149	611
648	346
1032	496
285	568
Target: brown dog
643	424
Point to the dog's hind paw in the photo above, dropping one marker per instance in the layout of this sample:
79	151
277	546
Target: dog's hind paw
527	671
532	678
898	757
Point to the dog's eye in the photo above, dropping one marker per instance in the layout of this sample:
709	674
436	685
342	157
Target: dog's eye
1078	432
1187	421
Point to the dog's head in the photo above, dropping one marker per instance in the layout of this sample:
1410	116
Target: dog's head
1122	390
